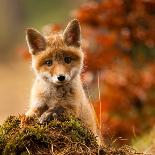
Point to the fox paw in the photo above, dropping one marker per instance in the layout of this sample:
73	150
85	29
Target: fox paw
46	118
51	114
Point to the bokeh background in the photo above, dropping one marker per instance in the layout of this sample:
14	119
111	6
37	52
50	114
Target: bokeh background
119	72
15	66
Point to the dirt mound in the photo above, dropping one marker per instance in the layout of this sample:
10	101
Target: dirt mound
66	135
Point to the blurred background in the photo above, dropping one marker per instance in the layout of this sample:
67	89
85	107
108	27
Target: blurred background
119	72
15	64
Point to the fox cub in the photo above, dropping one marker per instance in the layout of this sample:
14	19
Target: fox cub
57	60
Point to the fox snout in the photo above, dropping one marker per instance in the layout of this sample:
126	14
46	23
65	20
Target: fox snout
60	74
57	78
61	78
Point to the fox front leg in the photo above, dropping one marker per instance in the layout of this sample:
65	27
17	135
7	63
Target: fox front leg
51	114
36	110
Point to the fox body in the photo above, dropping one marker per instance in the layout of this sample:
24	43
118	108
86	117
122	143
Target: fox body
57	60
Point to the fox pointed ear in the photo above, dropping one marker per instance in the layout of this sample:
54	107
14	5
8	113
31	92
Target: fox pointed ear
72	33
36	42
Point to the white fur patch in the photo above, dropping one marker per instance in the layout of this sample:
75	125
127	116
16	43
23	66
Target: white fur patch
74	72
36	104
67	77
45	75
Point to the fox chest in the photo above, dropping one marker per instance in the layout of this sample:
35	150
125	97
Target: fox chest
62	96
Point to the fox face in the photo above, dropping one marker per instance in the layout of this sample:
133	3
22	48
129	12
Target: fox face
57	58
58	66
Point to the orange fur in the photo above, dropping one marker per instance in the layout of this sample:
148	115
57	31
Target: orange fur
47	92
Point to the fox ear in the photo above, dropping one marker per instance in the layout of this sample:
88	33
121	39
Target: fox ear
71	35
36	42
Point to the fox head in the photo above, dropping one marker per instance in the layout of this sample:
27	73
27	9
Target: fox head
56	58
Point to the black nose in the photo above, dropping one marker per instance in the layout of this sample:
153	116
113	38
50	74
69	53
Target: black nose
61	78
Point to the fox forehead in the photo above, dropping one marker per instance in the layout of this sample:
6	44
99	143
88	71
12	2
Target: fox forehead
57	48
55	41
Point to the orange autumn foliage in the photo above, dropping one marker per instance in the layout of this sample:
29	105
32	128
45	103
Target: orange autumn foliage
119	38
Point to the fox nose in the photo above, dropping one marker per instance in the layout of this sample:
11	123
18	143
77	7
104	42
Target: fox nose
61	78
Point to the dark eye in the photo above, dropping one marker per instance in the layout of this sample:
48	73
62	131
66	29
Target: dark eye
67	60
48	62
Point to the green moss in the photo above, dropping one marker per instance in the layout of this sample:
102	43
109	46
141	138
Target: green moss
8	129
77	131
22	139
66	135
17	138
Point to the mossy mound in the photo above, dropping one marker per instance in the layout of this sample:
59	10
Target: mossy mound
66	135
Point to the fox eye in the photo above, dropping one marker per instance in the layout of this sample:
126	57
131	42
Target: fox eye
67	60
48	62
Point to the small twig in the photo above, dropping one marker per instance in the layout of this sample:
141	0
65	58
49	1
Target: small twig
51	150
27	150
117	139
99	97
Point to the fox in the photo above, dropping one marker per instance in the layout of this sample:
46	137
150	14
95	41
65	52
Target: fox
57	60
